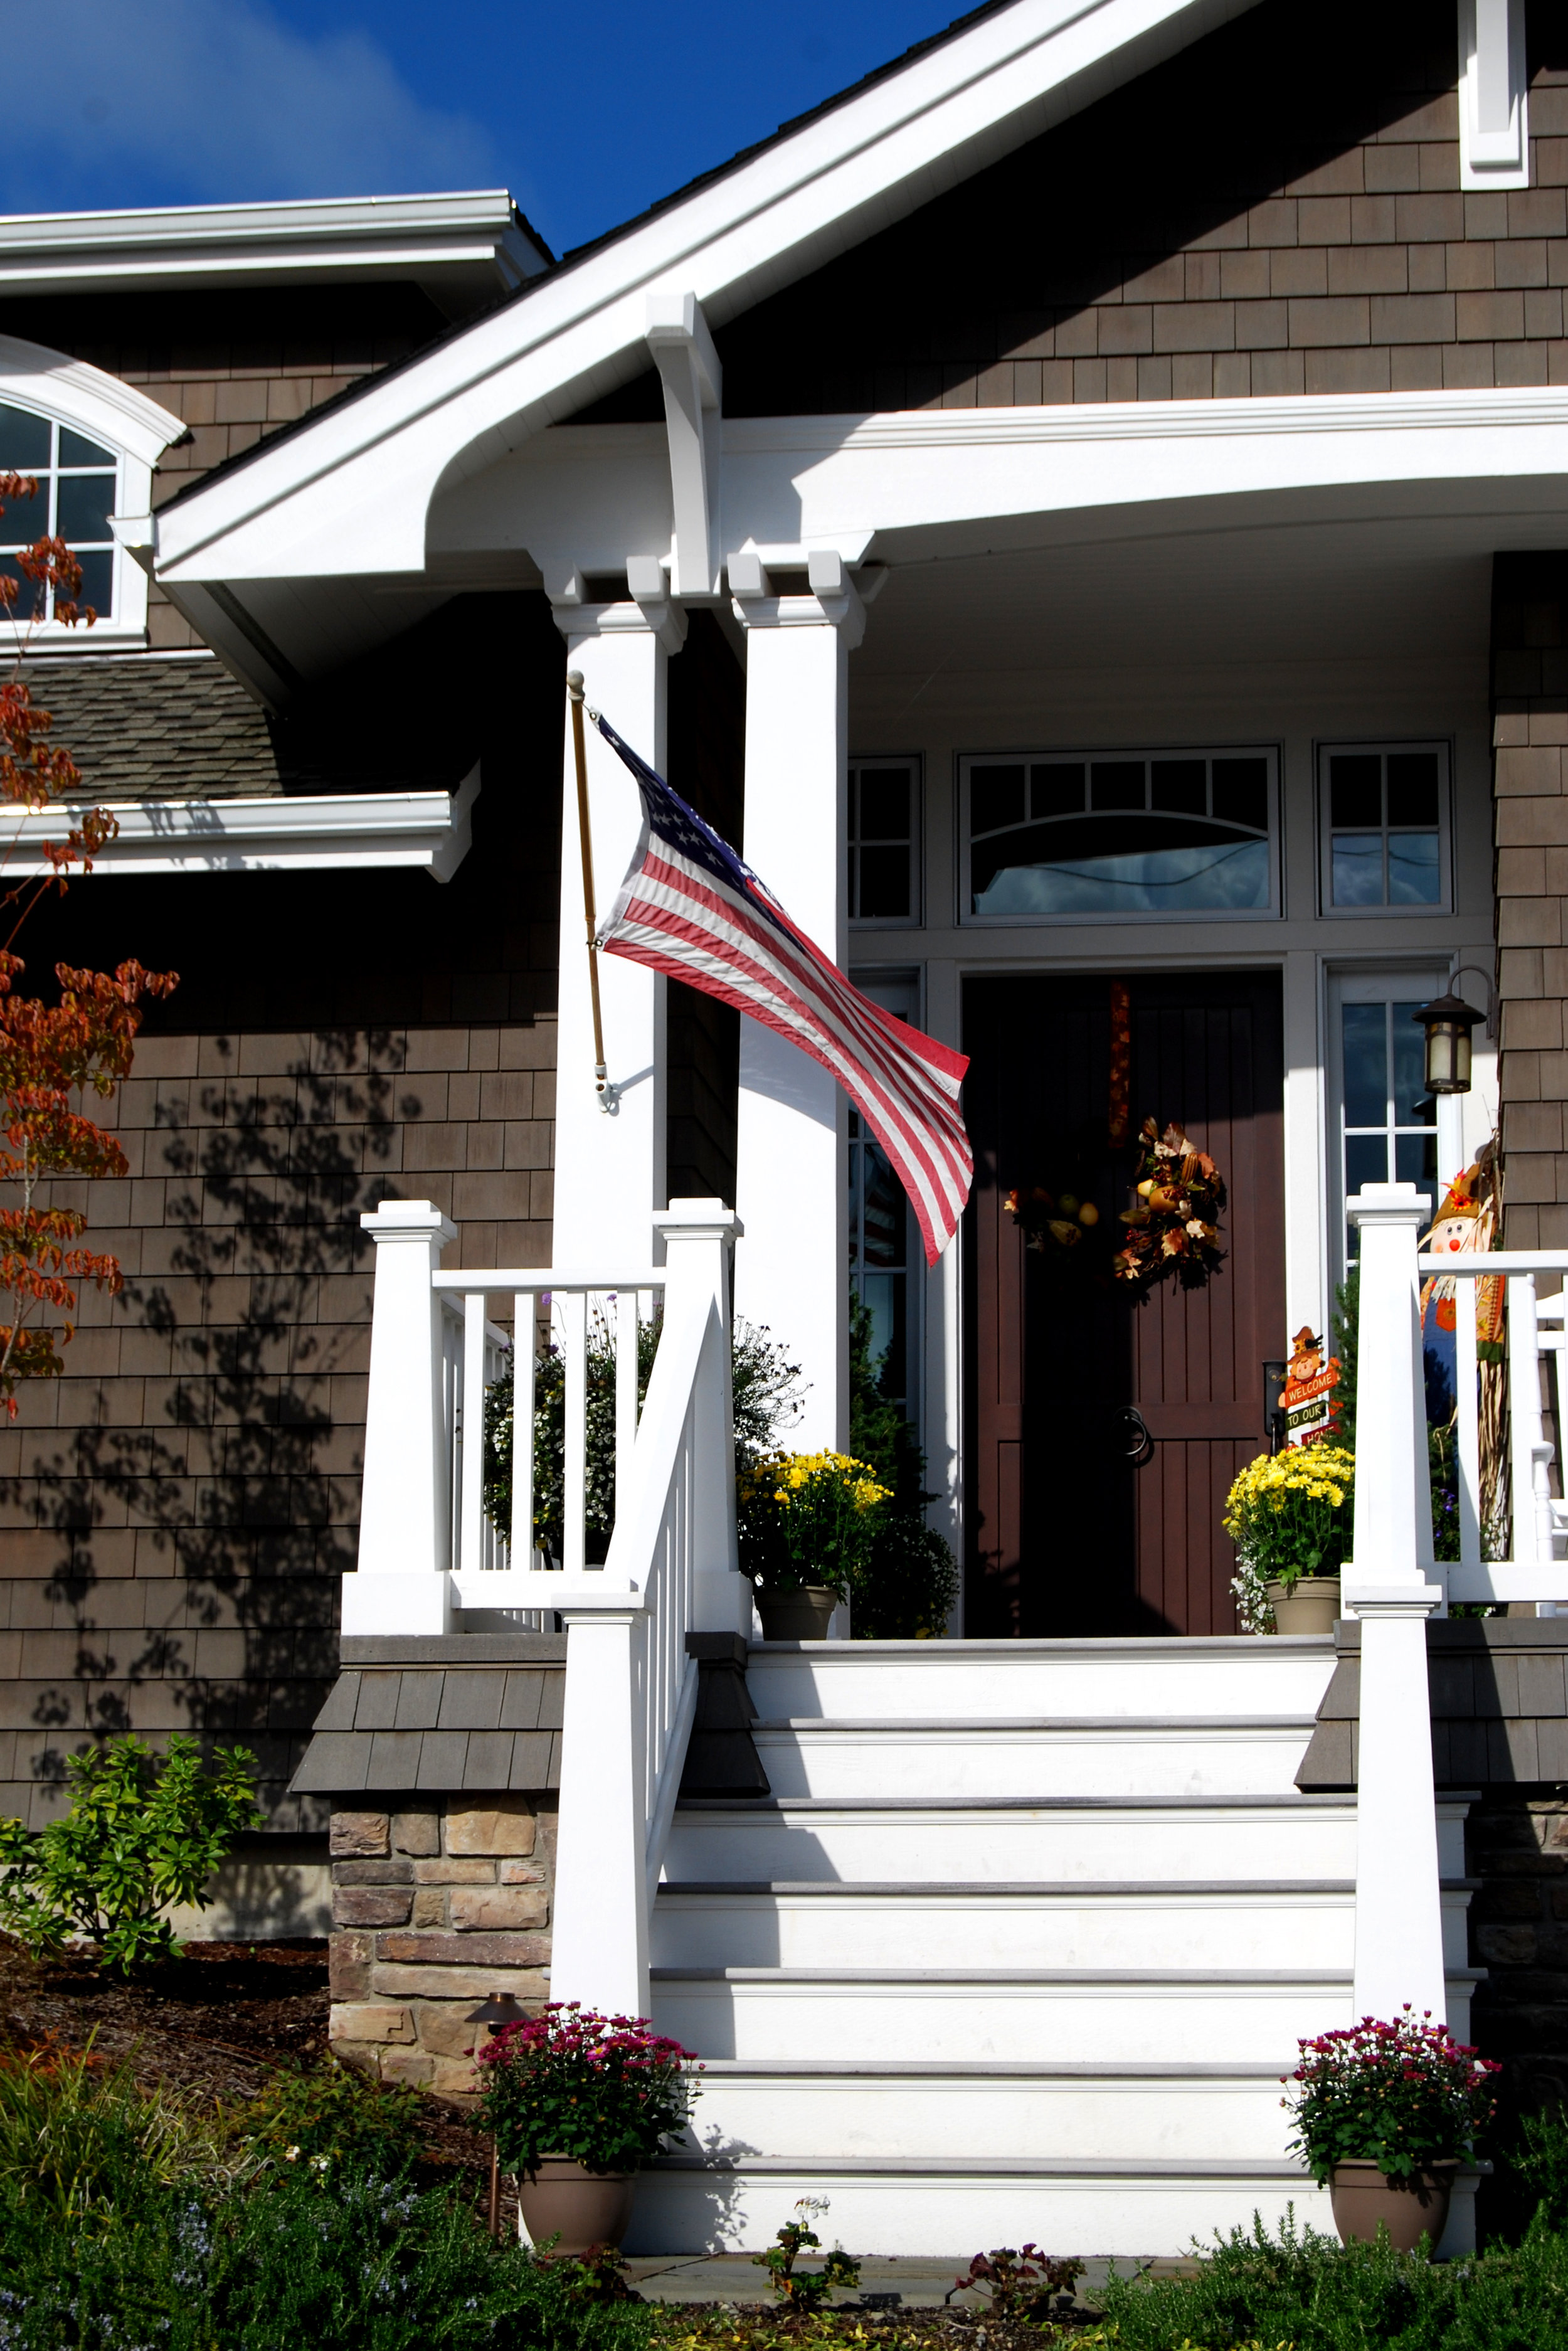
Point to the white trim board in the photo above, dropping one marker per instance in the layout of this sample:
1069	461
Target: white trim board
350	492
430	832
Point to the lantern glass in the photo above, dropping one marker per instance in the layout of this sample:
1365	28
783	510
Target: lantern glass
1448	1057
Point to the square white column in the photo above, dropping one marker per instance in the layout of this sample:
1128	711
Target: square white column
792	1268
610	1164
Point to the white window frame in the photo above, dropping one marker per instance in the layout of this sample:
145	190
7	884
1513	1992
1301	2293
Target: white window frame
1380	983
915	918
1444	901
136	431
1039	755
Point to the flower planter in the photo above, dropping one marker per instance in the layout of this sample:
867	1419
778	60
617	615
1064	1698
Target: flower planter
799	1614
1309	1605
578	2207
1363	2194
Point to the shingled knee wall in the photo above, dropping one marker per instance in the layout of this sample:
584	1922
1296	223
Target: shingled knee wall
436	1909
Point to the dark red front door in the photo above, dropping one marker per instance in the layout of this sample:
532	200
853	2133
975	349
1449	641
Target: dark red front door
1079	1523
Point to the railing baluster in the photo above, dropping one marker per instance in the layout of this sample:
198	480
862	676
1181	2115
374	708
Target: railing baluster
571	1311
1466	1383
525	1344
1524	1418
471	1436
626	1319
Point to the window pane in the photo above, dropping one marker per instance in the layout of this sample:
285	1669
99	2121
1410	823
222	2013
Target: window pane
1416	1159
24	441
1357	868
1365	1065
1056	791
882	1295
1179	785
85	503
1413	875
884	811
1355	789
25	519
883	883
1413	788
97	580
1413	1105
1365	1161
1241	792
1214	875
76	449
996	798
1116	784
883	1210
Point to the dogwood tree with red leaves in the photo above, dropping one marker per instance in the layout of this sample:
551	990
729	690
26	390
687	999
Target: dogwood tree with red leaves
52	1056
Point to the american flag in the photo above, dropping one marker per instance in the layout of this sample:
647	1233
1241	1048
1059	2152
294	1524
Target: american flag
689	907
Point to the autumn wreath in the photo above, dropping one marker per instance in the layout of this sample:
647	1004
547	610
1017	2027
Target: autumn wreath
1173	1225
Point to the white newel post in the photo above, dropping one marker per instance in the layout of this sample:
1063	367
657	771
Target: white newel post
1391	1587
791	1272
402	1584
610	1164
699	1247
599	1947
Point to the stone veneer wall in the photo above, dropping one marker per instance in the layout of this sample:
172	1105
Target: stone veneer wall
434	1910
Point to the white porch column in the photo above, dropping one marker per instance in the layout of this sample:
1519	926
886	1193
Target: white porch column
791	1271
1391	1587
610	1164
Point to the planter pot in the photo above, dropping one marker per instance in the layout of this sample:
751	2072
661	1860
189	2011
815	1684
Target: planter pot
801	1615
1362	2195
1310	1605
580	2208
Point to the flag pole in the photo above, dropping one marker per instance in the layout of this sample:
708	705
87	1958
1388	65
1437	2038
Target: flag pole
574	692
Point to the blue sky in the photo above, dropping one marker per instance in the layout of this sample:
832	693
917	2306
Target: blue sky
586	113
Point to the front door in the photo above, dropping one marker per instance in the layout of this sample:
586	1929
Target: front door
1104	1430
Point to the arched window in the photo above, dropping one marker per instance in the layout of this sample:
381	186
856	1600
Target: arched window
90	442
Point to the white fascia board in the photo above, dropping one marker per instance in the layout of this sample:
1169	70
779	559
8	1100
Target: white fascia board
350	492
74	253
431	832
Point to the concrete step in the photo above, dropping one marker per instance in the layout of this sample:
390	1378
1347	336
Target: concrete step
1092	1755
1303	1922
976	2014
905	1681
928	2206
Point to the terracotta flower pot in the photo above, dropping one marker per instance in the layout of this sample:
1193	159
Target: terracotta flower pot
578	2207
1363	2194
801	1614
1309	1605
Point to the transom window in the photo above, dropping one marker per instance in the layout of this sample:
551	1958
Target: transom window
77	482
884	837
1143	833
1385	825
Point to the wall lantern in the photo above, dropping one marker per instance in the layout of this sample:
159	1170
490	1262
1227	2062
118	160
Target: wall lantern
1447	1021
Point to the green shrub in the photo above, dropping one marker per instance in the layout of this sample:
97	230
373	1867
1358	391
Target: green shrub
77	2135
143	1833
327	2114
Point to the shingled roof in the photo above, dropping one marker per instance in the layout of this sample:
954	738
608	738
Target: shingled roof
143	728
486	1716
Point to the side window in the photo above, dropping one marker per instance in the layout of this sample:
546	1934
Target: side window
884	840
885	1242
1383	815
77	482
1383	1126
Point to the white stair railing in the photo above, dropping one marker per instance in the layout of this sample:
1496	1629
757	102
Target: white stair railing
1394	1583
426	1552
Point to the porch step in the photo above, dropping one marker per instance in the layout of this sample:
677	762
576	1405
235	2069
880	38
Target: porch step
1104	1755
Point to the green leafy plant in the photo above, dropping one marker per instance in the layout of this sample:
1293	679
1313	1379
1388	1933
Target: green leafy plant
1404	2095
143	1833
806	2290
605	2091
1019	2283
326	2115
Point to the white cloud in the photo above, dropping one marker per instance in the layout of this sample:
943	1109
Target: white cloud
139	101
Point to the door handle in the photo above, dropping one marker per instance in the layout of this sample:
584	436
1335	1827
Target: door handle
1140	1444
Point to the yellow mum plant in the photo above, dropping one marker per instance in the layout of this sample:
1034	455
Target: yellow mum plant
1290	1515
807	1518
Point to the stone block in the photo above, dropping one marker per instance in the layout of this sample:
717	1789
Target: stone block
445	2028
470	1950
455	2077
373	1873
478	1906
360	1832
476	1984
506	1826
371	1906
446	1872
429	1906
520	1873
364	2056
349	1966
1510	1946
411	2065
416	1832
362	2021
